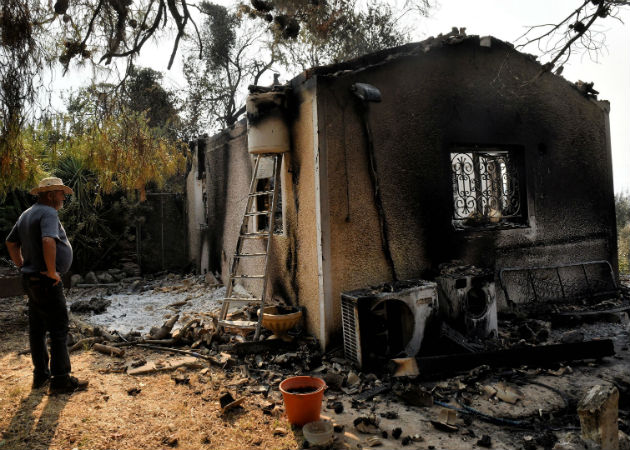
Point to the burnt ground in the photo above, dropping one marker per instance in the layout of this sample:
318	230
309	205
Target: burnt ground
181	409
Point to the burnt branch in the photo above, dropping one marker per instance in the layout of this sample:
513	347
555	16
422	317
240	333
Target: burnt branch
558	41
181	26
187	13
120	28
88	33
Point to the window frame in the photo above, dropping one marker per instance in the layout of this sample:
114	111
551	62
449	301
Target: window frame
509	181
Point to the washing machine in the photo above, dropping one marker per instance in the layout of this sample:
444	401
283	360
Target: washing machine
468	300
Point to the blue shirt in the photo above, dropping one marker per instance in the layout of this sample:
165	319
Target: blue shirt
37	222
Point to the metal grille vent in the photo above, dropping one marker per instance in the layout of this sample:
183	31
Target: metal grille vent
351	334
563	283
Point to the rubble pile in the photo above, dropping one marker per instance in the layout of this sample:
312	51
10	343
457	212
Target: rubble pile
535	402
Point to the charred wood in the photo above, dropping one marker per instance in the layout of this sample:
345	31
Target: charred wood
543	355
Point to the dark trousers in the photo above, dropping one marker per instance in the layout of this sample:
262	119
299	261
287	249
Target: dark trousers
47	312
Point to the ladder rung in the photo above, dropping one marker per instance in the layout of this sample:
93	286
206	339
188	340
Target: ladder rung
257	213
248	276
256	194
247	324
240	300
246	255
255	235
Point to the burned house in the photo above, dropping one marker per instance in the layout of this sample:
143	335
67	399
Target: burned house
457	160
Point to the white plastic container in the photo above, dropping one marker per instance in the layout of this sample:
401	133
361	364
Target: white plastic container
267	131
319	432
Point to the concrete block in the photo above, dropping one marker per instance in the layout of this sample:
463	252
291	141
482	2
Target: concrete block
598	411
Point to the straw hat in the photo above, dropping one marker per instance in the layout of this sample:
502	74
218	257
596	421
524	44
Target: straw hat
51	184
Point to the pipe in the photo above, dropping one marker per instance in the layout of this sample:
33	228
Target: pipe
367	93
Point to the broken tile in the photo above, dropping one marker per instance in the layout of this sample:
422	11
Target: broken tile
508	394
373	441
446	420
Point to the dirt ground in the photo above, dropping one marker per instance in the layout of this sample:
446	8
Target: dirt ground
106	416
121	411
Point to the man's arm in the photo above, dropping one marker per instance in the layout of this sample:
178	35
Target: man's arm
15	252
49	246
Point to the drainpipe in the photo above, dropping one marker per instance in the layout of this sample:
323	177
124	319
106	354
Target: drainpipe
366	93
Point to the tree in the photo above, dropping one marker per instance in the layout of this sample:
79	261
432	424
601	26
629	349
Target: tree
143	92
237	52
234	54
331	37
21	61
37	34
317	18
575	33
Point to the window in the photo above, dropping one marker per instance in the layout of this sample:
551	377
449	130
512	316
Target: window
263	203
487	187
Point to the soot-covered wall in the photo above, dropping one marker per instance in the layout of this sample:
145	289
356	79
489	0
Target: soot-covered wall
462	95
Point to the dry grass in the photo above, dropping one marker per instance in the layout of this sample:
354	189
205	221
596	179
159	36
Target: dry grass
107	417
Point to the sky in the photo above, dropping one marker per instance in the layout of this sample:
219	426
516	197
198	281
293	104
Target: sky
507	20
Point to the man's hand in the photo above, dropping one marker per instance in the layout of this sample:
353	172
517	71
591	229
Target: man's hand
54	275
15	252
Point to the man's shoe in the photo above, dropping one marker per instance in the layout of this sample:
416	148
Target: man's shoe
39	381
66	385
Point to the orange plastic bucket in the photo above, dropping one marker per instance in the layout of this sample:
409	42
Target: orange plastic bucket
302	398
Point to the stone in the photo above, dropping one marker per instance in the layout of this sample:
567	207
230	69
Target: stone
131	269
97	305
333	380
210	279
136	286
90	278
572	337
118	276
104	277
485	441
353	379
75	279
598	411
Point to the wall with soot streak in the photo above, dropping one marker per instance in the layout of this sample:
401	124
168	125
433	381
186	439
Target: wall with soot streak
455	95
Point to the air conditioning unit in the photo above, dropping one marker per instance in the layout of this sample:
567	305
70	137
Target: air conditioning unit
468	300
387	321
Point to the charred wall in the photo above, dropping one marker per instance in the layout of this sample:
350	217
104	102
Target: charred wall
293	274
462	95
162	235
228	171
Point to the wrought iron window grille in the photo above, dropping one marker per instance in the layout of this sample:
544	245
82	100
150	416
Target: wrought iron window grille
486	188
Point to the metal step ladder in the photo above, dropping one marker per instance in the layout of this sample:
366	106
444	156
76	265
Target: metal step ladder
236	268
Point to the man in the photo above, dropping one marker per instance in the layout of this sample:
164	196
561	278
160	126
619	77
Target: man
38	245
